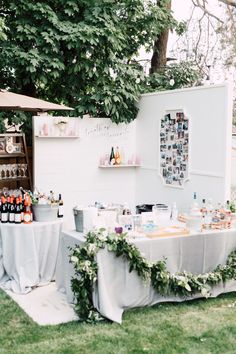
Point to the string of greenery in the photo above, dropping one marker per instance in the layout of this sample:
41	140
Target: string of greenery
181	284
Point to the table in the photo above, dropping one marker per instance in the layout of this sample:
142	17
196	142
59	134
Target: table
117	289
28	255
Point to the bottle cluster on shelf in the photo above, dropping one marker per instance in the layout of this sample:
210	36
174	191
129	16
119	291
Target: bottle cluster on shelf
16	206
117	157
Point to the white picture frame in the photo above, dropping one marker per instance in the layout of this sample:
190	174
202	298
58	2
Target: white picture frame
174	148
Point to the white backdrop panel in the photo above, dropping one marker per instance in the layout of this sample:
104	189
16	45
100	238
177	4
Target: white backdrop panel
210	112
70	166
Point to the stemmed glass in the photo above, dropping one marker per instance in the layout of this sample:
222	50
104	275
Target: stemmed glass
4	170
14	170
24	168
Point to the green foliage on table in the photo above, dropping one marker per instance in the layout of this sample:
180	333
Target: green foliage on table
79	53
181	284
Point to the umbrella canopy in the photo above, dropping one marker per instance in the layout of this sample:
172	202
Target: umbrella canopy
16	102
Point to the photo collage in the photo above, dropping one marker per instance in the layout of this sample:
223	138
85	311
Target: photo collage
174	148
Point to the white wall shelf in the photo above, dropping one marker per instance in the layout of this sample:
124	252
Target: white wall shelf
117	166
57	137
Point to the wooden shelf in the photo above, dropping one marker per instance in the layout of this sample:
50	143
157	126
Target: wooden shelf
11	155
117	166
57	137
14	179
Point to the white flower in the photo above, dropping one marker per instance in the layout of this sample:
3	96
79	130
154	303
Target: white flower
172	82
74	259
137	80
102	236
86	266
91	248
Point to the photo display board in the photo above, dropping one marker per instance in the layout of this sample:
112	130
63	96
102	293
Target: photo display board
174	148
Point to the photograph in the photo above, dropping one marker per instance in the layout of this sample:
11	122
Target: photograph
2	145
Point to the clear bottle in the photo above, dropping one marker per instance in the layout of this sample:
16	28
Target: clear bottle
174	212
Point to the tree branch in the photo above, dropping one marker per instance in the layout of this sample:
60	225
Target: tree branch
205	10
229	2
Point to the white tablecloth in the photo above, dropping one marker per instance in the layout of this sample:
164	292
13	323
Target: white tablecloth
28	254
117	289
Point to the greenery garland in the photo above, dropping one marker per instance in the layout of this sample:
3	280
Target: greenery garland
182	284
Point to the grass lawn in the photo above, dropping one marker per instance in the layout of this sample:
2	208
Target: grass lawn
200	326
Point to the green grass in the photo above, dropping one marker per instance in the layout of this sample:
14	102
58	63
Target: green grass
200	326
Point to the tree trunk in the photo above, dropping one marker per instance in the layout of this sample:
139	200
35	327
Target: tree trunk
158	60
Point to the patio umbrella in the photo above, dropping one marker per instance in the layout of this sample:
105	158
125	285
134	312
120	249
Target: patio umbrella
16	102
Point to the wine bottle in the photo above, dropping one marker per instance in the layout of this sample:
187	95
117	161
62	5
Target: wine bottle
117	157
21	208
112	157
4	211
17	212
60	208
11	210
27	212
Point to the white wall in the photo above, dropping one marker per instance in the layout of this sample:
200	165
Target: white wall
210	112
70	166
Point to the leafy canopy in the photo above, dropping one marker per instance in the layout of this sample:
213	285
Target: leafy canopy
79	52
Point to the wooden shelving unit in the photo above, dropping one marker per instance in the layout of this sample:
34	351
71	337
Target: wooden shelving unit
14	158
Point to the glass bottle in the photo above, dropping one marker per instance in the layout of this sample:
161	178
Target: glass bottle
112	157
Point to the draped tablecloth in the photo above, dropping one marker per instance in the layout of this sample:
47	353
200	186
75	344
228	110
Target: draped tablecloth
117	289
28	254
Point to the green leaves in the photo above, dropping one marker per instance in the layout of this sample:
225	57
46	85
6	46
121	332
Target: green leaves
65	49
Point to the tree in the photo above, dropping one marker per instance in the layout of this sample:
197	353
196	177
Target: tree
159	59
78	52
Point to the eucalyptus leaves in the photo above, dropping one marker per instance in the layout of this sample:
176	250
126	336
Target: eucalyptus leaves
181	284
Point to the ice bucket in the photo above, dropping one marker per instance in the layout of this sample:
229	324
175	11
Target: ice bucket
85	218
45	212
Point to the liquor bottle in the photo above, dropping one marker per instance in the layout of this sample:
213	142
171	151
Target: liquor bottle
4	211
117	157
11	211
60	208
17	212
112	157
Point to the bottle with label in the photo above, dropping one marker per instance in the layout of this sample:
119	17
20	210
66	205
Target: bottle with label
17	212
27	212
209	213
112	157
60	208
4	210
11	211
21	208
195	216
117	157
